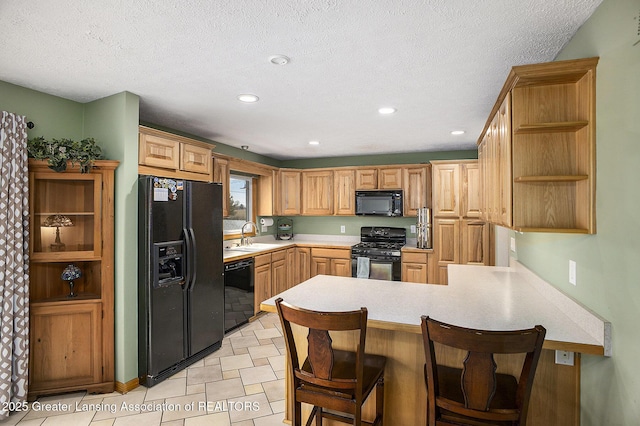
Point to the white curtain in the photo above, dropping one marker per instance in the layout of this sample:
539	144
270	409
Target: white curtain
14	262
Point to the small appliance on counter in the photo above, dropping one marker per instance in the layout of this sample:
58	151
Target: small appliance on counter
284	229
424	228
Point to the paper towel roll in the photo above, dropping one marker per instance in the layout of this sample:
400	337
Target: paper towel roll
267	221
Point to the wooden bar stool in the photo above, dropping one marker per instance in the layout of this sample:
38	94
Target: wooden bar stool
475	394
329	378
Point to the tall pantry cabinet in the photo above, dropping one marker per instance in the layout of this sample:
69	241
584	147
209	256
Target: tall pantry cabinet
460	236
71	223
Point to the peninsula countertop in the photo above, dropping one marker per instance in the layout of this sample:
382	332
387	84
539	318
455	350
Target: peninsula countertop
483	297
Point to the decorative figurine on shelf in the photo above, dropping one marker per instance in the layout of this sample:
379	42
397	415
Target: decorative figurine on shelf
57	221
70	273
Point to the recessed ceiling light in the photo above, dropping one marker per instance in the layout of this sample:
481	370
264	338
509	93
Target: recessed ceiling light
387	110
248	98
279	60
314	142
457	132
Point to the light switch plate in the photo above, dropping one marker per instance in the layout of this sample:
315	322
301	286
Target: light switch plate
413	229
572	272
564	357
513	244
342	229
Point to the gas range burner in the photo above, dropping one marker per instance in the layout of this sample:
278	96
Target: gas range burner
379	245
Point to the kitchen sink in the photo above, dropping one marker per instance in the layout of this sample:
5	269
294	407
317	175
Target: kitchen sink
254	247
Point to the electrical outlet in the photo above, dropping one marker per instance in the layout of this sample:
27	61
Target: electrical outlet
413	229
572	272
342	229
263	228
564	357
513	244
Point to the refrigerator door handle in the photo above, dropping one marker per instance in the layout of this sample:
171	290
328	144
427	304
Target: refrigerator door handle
193	255
188	269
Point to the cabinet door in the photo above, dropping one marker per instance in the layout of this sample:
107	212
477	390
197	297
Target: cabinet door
292	257
320	266
278	276
414	272
195	159
221	173
66	348
474	243
471	202
317	193
416	189
303	264
155	151
366	179
446	188
289	192
262	284
341	267
345	196
66	216
447	246
390	178
503	164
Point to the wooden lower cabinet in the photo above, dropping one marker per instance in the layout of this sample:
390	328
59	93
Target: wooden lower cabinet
302	265
66	345
415	266
460	241
279	282
261	279
328	261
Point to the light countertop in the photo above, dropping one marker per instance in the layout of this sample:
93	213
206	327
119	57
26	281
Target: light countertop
483	297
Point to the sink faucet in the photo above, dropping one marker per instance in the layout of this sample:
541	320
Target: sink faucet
244	241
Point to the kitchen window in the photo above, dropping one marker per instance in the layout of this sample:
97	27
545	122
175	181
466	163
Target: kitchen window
241	205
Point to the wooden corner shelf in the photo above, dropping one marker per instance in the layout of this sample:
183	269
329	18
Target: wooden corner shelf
561	178
566	126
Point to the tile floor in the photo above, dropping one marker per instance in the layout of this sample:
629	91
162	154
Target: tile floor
241	384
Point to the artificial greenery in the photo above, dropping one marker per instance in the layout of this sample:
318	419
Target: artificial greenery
58	151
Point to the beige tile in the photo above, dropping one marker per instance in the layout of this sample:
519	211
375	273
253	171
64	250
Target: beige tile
249	407
199	388
215	419
91	396
34	422
82	418
224	389
179	422
278	406
253	389
236	362
263	351
260	361
223	351
122	405
212	360
274	390
243	342
182	407
272	420
14	418
280	374
279	342
264	341
196	375
148	418
105	422
253	375
231	374
167	389
277	362
240	351
268	333
55	405
199	363
243	423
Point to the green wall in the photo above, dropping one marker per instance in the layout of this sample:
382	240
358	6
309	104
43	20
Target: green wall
54	117
608	263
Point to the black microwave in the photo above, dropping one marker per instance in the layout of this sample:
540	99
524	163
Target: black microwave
379	203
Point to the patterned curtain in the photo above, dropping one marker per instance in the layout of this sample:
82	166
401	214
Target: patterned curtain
14	262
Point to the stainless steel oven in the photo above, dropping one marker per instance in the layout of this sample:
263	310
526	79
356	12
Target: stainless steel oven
378	256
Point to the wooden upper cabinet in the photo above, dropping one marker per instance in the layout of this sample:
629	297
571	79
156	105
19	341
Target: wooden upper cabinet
446	189
390	178
158	152
317	192
173	156
345	198
471	202
378	178
289	189
539	150
222	174
417	189
195	159
366	179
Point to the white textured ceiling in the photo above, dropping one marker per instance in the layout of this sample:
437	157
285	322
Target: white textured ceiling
441	63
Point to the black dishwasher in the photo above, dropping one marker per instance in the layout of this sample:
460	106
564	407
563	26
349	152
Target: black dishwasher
238	293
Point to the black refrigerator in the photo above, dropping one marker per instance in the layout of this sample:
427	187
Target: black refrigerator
180	275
